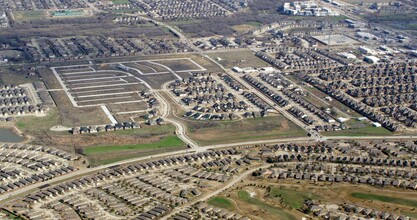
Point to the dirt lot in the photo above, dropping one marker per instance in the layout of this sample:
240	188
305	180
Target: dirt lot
243	58
156	81
15	76
216	132
179	65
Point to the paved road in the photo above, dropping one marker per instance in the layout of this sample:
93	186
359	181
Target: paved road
180	128
86	171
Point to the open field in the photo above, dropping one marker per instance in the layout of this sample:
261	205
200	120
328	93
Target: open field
170	141
244	58
112	153
216	132
267	199
291	198
27	16
272	212
243	28
386	199
368	130
221	202
119	2
12	76
398	21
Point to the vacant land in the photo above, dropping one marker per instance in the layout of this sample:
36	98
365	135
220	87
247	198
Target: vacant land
289	195
112	153
241	58
398	21
120	2
35	126
27	16
387	199
216	132
291	198
14	76
272	211
180	65
69	115
368	130
221	202
170	141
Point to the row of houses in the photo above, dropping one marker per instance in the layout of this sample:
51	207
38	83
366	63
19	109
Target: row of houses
382	182
281	101
95	129
143	191
35	178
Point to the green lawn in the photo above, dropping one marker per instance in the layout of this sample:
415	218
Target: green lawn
167	142
33	124
387	199
274	211
254	23
291	198
221	202
120	2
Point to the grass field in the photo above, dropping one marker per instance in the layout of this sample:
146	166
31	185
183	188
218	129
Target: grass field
120	2
167	142
221	202
271	127
274	211
366	131
387	199
155	144
27	16
291	198
244	58
35	125
399	21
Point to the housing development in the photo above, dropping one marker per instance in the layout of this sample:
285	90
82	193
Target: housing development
214	109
